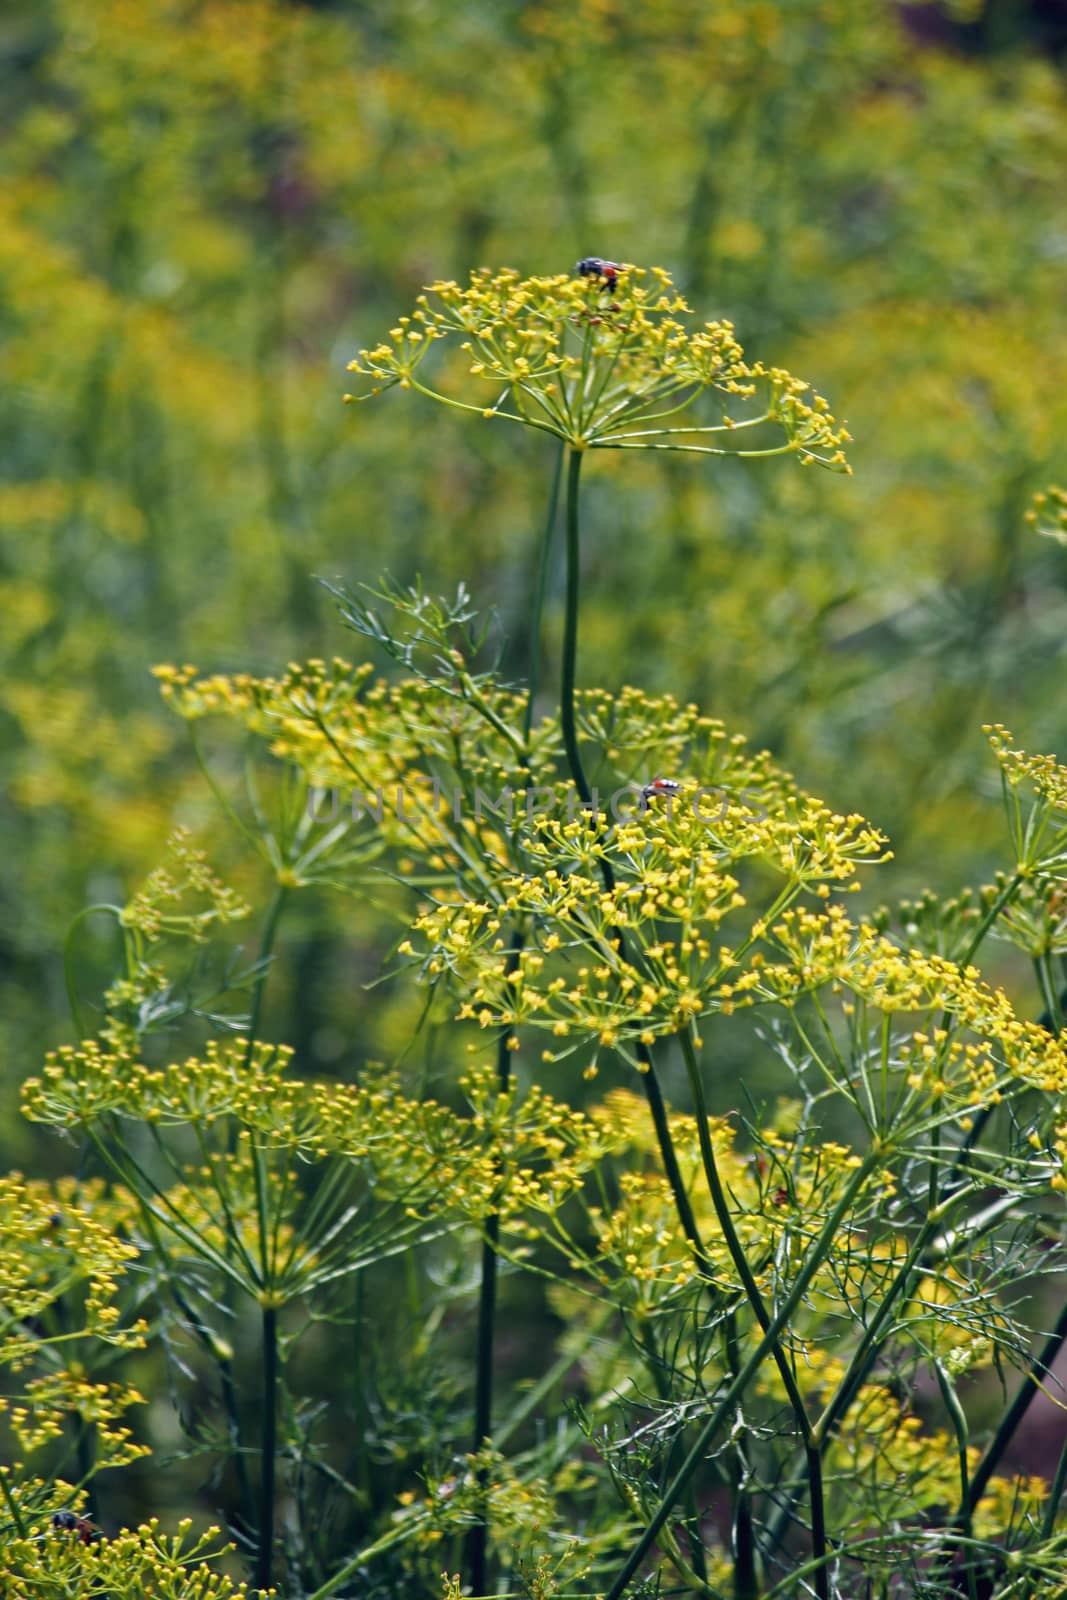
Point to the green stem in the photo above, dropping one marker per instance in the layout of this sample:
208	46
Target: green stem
705	450
266	947
658	433
85	1454
480	411
563	1365
264	1558
978	1126
136	1178
658	1108
729	1232
695	1583
533	670
653	1092
817	1253
570	629
1003	899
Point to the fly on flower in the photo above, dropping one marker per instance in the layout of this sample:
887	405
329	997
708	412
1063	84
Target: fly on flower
596	267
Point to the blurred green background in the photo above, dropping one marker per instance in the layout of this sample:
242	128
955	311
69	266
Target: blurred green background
206	208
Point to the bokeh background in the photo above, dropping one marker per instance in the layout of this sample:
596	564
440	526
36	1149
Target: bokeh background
207	208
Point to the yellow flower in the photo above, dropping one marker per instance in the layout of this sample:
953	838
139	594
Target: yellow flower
596	362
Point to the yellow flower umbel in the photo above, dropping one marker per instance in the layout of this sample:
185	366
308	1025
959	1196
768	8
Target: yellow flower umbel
602	365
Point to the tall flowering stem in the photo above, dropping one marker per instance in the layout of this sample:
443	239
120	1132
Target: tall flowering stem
599	365
653	1090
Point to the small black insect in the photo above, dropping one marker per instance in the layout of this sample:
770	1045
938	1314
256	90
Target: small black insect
595	267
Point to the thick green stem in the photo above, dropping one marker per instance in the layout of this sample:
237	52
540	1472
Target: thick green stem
993	911
537	606
570	629
264	1557
729	1232
903	1285
269	1401
1052	1016
658	1108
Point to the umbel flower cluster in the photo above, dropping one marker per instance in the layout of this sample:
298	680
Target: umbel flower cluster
49	1559
602	365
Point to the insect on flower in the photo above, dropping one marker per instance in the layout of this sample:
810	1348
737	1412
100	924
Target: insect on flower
595	267
659	786
70	1522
